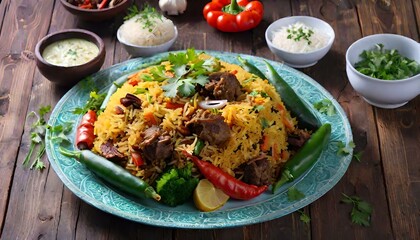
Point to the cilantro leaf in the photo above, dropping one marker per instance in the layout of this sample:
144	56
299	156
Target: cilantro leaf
186	87
386	64
188	70
37	135
94	103
361	211
344	150
293	194
132	11
304	217
59	133
358	156
325	106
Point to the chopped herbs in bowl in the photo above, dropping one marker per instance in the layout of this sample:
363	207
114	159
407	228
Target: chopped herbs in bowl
386	64
384	69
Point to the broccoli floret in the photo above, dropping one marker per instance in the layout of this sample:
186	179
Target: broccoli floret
175	186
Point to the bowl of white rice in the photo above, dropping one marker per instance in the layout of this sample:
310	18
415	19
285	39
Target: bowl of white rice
300	41
145	36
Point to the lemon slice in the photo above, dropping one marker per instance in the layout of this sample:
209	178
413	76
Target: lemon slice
207	197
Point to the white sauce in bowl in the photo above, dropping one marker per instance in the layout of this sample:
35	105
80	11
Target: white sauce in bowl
299	38
70	52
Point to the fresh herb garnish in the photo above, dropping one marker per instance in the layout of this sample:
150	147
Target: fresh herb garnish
94	103
117	85
37	138
72	52
358	156
294	194
298	33
344	150
148	16
251	79
361	212
258	108
132	11
386	64
140	90
264	123
325	106
188	71
304	217
156	73
59	133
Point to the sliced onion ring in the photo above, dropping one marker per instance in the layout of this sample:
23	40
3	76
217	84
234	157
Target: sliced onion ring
212	104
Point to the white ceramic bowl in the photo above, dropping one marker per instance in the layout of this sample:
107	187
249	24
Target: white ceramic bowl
300	60
384	93
146	51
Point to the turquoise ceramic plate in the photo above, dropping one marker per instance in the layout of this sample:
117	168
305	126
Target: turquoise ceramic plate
320	179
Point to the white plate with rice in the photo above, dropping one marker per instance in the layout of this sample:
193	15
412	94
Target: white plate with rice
316	182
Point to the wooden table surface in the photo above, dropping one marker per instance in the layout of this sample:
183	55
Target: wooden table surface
36	205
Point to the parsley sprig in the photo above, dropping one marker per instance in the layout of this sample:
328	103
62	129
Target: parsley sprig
386	64
188	71
361	212
37	135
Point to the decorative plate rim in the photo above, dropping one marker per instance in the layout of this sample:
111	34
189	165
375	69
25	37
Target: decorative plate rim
234	213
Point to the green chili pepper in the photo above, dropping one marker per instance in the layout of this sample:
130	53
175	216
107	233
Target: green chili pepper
198	147
305	158
294	104
292	101
251	68
112	173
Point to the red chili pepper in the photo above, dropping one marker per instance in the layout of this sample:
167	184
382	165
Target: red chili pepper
86	5
137	159
173	105
233	16
103	3
84	133
228	184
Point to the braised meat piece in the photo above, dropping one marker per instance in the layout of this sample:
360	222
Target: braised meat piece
157	145
222	85
209	127
298	138
109	151
257	171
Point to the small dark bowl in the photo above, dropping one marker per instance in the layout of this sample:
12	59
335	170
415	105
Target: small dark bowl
96	14
69	76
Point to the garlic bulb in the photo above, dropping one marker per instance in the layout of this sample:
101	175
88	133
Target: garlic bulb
173	7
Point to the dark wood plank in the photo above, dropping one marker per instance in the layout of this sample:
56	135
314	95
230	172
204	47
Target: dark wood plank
360	179
398	138
21	29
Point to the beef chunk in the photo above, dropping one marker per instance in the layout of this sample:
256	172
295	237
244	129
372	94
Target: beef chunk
222	85
257	171
209	127
298	138
157	145
109	151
